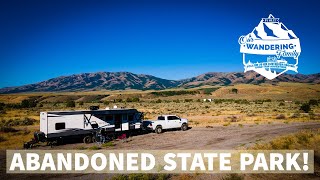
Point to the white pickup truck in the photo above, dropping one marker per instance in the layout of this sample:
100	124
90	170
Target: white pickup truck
166	122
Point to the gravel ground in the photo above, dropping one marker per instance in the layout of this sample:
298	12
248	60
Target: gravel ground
214	138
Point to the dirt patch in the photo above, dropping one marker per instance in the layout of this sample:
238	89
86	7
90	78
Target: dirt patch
216	137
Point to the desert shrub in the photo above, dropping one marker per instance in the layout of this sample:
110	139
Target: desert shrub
234	90
81	103
218	101
28	103
188	100
117	100
108	144
261	101
7	129
241	101
250	114
70	103
94	148
281	104
120	177
27	121
305	107
258	102
280	116
208	91
134	99
142	177
13	106
231	119
26	131
295	115
2	139
18	122
174	93
2	105
158	101
313	102
234	118
232	177
305	139
312	115
90	98
106	102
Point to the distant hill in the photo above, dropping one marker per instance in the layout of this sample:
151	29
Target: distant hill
127	80
95	81
216	78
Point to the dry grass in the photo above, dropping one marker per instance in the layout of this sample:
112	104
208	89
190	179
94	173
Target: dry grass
253	104
15	140
286	91
305	139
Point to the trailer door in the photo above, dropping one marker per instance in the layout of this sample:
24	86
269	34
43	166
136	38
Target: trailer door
117	122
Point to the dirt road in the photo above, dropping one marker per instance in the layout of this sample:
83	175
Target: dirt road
216	137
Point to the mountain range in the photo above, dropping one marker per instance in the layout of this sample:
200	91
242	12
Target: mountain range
127	80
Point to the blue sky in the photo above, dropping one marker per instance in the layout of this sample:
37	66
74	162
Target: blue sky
168	39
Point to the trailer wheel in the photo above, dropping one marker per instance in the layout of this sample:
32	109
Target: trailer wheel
184	127
87	139
158	129
53	143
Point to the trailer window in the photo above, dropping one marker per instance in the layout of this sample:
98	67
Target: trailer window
130	117
124	117
109	118
60	126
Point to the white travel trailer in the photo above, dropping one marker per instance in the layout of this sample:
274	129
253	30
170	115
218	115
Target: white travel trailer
83	124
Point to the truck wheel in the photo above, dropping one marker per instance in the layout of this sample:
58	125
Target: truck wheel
158	129
184	127
87	139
